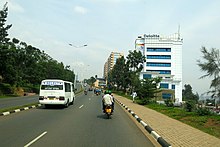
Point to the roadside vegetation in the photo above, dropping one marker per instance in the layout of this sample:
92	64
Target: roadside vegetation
199	118
123	80
17	107
7	96
205	121
24	66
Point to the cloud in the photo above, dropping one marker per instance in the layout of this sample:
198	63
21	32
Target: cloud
80	10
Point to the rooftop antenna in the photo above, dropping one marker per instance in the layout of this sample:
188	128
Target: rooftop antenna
178	32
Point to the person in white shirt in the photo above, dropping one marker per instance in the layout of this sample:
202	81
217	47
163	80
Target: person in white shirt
107	100
134	94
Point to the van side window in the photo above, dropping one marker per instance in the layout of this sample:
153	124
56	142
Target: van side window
72	87
67	87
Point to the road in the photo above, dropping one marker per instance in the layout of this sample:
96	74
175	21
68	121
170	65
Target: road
82	124
23	100
17	101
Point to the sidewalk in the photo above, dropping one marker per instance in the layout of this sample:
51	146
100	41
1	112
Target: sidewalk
172	131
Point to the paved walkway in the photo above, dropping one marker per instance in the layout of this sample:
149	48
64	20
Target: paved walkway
174	132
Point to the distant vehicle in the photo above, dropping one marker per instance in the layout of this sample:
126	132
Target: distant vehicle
85	84
56	92
90	89
97	91
85	92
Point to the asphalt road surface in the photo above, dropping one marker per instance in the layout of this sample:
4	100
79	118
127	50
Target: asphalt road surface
82	125
23	100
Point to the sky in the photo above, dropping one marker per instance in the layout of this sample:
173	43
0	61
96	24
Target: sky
107	26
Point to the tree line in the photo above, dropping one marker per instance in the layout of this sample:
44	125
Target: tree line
125	77
23	65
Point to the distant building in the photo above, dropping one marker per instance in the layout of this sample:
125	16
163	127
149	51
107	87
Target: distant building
100	83
163	59
111	62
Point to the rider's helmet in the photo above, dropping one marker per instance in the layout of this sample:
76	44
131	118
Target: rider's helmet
108	92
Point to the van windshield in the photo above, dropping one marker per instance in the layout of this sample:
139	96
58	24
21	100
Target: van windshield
51	87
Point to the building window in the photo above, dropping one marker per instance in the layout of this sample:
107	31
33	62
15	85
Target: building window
158	64
164	85
160	71
159	49
147	76
158	56
173	86
166	95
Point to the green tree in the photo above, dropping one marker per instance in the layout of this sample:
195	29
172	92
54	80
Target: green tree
6	55
135	61
3	27
25	65
188	94
119	74
189	106
211	65
147	89
90	81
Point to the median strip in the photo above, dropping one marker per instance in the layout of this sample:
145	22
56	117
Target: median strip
20	109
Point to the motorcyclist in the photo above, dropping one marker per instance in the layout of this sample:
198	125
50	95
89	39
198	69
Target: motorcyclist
107	100
85	91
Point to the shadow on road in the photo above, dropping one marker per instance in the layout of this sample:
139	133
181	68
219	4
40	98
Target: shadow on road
51	107
103	116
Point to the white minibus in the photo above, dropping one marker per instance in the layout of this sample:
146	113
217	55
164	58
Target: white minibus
56	92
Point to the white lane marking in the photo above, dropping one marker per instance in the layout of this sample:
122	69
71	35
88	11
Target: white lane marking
30	143
80	107
89	99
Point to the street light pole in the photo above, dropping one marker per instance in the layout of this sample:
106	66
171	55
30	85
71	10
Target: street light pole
84	45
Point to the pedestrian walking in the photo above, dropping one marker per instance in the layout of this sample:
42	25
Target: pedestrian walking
134	94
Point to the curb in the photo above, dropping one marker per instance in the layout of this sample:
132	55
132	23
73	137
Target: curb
158	138
18	110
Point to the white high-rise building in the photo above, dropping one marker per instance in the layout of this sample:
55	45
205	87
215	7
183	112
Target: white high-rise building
164	59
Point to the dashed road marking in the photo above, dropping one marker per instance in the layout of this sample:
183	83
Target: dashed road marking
37	138
80	106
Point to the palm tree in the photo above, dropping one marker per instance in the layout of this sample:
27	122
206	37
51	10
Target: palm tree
211	66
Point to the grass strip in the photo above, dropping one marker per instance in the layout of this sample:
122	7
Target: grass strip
17	107
209	124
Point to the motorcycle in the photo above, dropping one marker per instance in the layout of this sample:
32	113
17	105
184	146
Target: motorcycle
85	92
97	93
108	111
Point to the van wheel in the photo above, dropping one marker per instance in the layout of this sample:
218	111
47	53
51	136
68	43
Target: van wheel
46	106
67	104
71	103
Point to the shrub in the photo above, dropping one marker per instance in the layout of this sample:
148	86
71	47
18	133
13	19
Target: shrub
143	101
169	103
203	111
6	88
189	106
